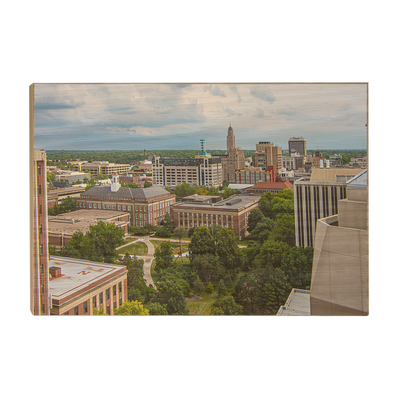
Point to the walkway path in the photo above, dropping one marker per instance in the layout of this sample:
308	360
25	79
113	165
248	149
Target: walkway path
148	259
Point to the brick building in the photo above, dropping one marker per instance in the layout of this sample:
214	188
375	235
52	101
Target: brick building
144	206
39	296
230	213
253	175
273	187
63	226
267	154
77	287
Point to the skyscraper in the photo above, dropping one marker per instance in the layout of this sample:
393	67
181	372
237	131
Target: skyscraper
266	155
230	139
298	144
234	158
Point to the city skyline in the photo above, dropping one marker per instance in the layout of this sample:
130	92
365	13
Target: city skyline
176	116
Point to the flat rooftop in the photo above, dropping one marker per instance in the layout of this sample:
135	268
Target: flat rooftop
80	220
78	275
235	202
298	303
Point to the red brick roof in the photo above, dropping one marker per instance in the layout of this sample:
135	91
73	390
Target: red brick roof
273	185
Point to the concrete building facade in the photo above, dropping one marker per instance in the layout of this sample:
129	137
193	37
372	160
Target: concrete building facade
101	167
317	197
298	144
234	159
205	171
267	154
339	281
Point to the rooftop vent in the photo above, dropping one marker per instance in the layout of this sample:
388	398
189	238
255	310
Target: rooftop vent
55	272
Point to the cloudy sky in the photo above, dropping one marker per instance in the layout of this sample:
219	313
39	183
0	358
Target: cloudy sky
176	116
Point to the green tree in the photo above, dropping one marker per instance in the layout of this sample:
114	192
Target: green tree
99	310
271	252
247	293
201	243
228	306
157	309
131	308
180	232
170	295
222	289
198	287
101	240
254	218
228	250
184	190
163	257
207	267
263	229
209	288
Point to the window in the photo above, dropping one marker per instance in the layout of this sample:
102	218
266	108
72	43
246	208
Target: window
113	207
94	205
41	249
136	208
137	216
123	208
118	207
140	208
94	302
39	190
41	269
76	311
101	298
108	294
151	216
114	290
66	313
129	208
108	310
40	229
144	208
43	309
120	301
41	289
39	170
85	307
140	216
104	206
90	205
115	305
40	209
145	216
109	206
120	287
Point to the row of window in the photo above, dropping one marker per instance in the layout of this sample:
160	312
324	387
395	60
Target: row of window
191	224
101	300
124	207
204	216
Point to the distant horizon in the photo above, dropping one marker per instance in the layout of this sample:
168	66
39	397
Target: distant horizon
176	116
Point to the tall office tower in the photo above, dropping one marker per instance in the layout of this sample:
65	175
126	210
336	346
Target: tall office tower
298	144
39	242
230	139
318	197
267	154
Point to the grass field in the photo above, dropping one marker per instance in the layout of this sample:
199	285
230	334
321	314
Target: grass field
137	249
205	304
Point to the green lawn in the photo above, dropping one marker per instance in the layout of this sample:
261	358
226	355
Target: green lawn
205	304
137	249
128	240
